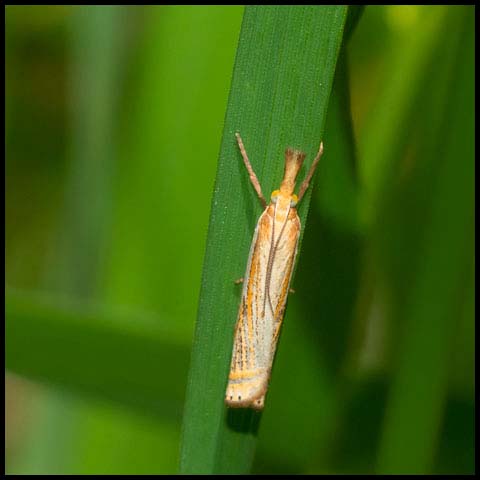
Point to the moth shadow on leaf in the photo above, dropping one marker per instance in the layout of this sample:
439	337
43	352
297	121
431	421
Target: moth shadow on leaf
243	420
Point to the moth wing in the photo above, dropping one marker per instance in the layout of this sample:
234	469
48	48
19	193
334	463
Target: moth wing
282	270
261	310
248	376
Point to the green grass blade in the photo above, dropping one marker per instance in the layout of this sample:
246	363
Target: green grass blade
280	89
111	355
429	223
382	141
97	40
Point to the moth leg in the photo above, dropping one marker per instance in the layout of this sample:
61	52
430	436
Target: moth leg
251	173
306	182
237	282
291	290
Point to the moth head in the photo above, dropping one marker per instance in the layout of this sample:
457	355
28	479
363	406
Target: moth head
276	193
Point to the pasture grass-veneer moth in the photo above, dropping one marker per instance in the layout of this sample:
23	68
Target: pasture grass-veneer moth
266	283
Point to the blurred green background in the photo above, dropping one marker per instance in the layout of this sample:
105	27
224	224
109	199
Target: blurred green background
114	117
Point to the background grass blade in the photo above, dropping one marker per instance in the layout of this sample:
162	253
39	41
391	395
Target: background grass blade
281	84
98	346
163	146
383	139
97	39
431	216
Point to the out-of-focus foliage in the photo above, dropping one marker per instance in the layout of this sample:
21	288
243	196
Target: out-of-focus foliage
114	118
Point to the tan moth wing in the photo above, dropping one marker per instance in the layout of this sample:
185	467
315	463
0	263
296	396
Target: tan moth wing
264	296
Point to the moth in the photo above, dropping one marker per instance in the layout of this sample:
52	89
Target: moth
266	283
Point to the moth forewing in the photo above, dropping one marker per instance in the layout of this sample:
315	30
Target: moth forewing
282	269
260	316
266	283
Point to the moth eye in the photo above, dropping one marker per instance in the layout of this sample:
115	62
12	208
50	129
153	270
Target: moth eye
293	201
274	196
